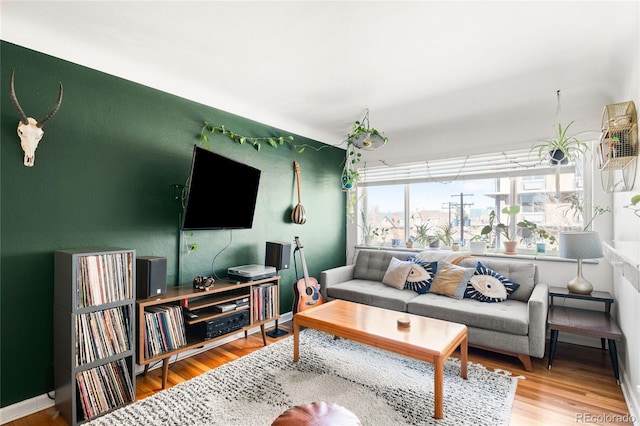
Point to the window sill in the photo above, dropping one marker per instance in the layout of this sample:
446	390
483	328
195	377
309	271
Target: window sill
552	256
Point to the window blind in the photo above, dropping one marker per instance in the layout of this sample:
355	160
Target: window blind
493	165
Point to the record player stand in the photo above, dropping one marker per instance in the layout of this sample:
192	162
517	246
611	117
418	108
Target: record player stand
263	308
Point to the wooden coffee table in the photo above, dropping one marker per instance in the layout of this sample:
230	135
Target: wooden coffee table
426	339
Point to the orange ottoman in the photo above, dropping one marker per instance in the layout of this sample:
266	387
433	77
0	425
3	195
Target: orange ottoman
317	414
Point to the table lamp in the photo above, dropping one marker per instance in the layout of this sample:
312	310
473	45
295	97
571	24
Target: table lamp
580	245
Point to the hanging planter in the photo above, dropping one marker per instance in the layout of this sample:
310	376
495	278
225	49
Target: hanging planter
361	137
558	158
350	175
562	148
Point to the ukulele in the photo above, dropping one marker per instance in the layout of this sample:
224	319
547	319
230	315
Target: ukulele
307	289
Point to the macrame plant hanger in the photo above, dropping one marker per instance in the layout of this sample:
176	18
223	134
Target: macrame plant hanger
557	163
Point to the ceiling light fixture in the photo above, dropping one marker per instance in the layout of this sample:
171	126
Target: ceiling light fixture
364	137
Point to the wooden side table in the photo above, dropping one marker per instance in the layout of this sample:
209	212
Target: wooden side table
584	321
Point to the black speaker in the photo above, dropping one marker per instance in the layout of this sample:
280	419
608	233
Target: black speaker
278	255
151	276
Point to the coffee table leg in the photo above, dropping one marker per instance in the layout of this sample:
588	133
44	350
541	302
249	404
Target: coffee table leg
464	356
296	340
438	387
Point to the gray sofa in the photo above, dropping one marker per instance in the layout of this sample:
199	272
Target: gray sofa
516	326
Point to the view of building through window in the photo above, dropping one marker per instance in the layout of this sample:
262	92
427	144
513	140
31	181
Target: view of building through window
426	212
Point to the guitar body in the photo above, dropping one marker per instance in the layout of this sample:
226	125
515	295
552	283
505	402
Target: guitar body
307	295
307	289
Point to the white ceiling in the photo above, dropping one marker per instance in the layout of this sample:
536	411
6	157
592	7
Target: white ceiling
438	77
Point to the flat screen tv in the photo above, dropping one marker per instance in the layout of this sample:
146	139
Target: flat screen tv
221	193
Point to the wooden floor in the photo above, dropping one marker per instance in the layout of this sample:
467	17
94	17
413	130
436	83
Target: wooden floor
580	389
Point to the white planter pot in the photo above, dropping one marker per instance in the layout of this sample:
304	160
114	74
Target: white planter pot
478	247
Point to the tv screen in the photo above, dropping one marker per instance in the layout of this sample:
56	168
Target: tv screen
221	194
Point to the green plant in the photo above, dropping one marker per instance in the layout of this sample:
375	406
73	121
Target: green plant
541	233
359	129
570	146
367	228
635	200
380	232
575	206
445	234
190	247
256	142
350	175
597	211
422	233
501	228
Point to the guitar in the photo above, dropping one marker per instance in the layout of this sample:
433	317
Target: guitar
307	289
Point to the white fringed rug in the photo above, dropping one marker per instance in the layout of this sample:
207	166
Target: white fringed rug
380	387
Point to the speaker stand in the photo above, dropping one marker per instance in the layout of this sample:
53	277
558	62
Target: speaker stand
276	332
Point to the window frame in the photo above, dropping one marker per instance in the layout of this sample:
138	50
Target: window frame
459	169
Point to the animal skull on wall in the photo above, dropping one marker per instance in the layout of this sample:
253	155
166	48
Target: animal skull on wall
29	130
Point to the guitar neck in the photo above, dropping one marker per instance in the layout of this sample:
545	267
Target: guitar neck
305	272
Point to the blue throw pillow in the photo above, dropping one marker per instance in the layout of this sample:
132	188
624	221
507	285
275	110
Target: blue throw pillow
486	285
420	275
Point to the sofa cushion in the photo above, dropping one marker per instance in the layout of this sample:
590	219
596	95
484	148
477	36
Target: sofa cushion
451	280
510	316
486	285
421	275
523	273
373	264
372	293
445	255
397	272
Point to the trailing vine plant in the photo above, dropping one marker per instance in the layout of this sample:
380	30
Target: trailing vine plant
256	142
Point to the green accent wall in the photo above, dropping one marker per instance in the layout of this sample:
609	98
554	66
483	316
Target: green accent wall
103	177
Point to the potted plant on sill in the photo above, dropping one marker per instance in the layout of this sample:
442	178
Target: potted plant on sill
422	235
503	229
540	235
367	228
445	235
381	233
478	244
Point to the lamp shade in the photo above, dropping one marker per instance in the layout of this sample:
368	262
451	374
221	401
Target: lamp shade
580	245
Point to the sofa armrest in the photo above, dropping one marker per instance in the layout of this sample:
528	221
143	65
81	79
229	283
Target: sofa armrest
538	307
335	276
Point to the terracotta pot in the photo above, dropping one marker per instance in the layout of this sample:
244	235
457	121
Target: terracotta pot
510	247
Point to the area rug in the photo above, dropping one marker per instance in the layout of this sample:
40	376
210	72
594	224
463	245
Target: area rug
380	387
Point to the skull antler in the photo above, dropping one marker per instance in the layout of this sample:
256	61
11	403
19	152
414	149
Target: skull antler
29	130
12	95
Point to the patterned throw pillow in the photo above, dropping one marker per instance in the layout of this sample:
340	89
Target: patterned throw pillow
421	275
451	280
487	285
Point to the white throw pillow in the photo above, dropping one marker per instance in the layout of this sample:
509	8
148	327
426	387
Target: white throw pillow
397	273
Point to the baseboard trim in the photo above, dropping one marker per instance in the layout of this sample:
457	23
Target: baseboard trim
42	402
633	405
25	408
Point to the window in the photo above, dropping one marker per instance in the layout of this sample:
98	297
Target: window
533	203
383	207
460	194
